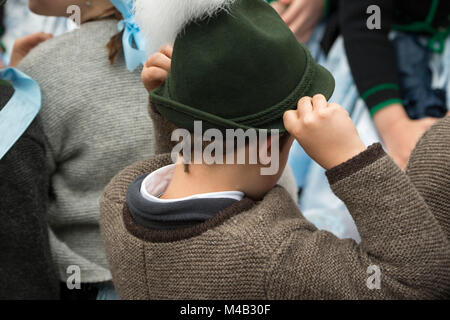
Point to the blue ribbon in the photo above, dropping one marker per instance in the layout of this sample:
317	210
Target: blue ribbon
20	110
133	44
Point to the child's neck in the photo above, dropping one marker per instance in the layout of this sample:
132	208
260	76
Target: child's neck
202	179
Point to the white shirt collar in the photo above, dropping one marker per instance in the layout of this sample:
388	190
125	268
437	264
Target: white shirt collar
157	182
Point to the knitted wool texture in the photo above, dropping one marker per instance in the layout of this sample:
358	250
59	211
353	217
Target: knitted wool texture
94	118
267	250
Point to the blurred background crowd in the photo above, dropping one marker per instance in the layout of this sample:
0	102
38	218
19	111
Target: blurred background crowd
393	81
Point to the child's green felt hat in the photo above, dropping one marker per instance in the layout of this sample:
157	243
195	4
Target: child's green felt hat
240	68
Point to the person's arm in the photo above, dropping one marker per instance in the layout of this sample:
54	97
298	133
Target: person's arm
27	270
401	238
373	65
399	133
302	16
370	53
429	171
23	46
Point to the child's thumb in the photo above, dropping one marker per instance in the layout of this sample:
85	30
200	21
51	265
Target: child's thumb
290	120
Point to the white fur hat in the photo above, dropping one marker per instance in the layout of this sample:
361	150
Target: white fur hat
161	21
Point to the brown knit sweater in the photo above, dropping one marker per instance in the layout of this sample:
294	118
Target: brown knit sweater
429	170
267	250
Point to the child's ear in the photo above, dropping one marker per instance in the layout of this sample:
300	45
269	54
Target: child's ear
269	142
281	141
284	143
268	145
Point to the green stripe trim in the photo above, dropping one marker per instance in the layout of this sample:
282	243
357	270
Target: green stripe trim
415	27
380	87
421	26
384	104
432	12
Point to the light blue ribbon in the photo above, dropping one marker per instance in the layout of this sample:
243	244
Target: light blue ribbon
17	115
133	44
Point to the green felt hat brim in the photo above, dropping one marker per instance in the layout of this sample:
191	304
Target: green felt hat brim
323	84
184	116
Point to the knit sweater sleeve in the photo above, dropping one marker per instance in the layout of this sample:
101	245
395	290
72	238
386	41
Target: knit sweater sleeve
370	53
26	266
402	244
429	170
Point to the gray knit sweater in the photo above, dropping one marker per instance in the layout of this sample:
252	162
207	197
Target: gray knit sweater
95	121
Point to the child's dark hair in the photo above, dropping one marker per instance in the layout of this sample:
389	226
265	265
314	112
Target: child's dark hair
171	127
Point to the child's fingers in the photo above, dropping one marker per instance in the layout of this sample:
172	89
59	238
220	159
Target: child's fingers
151	60
167	50
158	60
291	121
163	62
147	62
154	74
153	77
319	102
304	106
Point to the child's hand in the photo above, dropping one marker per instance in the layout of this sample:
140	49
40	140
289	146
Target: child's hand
24	45
157	68
325	131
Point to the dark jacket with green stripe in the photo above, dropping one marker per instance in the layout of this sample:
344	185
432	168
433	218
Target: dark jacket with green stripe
370	53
